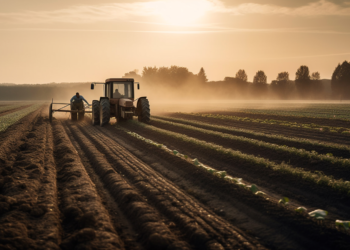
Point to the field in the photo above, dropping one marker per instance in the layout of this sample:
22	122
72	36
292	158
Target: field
243	178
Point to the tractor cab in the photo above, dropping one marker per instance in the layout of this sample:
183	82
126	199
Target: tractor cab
119	102
117	88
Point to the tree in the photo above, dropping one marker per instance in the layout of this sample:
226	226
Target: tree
302	81
259	86
260	77
283	76
282	87
133	74
241	75
149	74
315	76
202	76
302	74
341	80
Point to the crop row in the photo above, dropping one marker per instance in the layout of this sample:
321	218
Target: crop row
317	178
318	214
312	126
9	107
330	113
302	153
308	142
9	119
216	180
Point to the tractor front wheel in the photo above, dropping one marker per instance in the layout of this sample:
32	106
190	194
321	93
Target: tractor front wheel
105	113
95	112
144	110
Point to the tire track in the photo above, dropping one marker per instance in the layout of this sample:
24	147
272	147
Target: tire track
201	227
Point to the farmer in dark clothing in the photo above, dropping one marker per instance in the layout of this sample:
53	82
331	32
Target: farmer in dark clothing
77	101
77	104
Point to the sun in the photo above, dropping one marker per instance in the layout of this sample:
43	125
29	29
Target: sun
182	12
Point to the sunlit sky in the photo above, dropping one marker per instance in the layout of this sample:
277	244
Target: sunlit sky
88	40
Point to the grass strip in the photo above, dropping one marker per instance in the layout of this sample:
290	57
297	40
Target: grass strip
281	149
239	130
9	119
318	178
311	126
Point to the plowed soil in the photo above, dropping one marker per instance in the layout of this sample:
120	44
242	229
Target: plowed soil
71	185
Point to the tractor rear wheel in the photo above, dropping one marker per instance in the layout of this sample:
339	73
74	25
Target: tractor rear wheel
95	112
145	114
105	113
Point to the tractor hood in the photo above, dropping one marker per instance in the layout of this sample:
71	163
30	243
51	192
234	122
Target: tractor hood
126	103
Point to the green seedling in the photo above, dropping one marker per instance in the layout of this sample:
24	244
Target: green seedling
221	174
260	193
195	162
253	188
241	185
343	224
284	201
318	214
301	210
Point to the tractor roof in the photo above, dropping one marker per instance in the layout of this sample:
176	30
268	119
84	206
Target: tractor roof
119	80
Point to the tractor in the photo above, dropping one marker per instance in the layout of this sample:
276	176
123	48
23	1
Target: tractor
119	102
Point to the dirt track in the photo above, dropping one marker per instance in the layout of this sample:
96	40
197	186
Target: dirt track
75	186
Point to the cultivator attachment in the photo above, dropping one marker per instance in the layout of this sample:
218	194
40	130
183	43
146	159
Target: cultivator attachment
75	114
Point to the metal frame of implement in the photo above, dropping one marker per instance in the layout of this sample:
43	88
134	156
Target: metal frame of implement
51	111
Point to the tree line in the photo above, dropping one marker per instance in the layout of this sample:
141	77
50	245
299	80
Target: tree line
305	86
175	81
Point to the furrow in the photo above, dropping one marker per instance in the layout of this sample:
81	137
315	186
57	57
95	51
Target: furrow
307	144
259	171
154	230
85	222
337	167
170	200
274	224
28	210
272	129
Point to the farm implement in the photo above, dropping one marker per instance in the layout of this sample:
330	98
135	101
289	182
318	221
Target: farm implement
75	113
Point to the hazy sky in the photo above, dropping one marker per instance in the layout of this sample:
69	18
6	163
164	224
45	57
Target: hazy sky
89	40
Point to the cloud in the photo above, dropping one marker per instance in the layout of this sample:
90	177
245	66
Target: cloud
320	8
155	8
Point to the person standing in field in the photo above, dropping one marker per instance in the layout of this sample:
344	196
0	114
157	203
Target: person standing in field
76	103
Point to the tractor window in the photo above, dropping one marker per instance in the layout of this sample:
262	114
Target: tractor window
122	90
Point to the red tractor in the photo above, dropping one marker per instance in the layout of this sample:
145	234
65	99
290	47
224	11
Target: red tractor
119	102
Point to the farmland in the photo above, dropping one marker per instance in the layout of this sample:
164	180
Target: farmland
228	179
